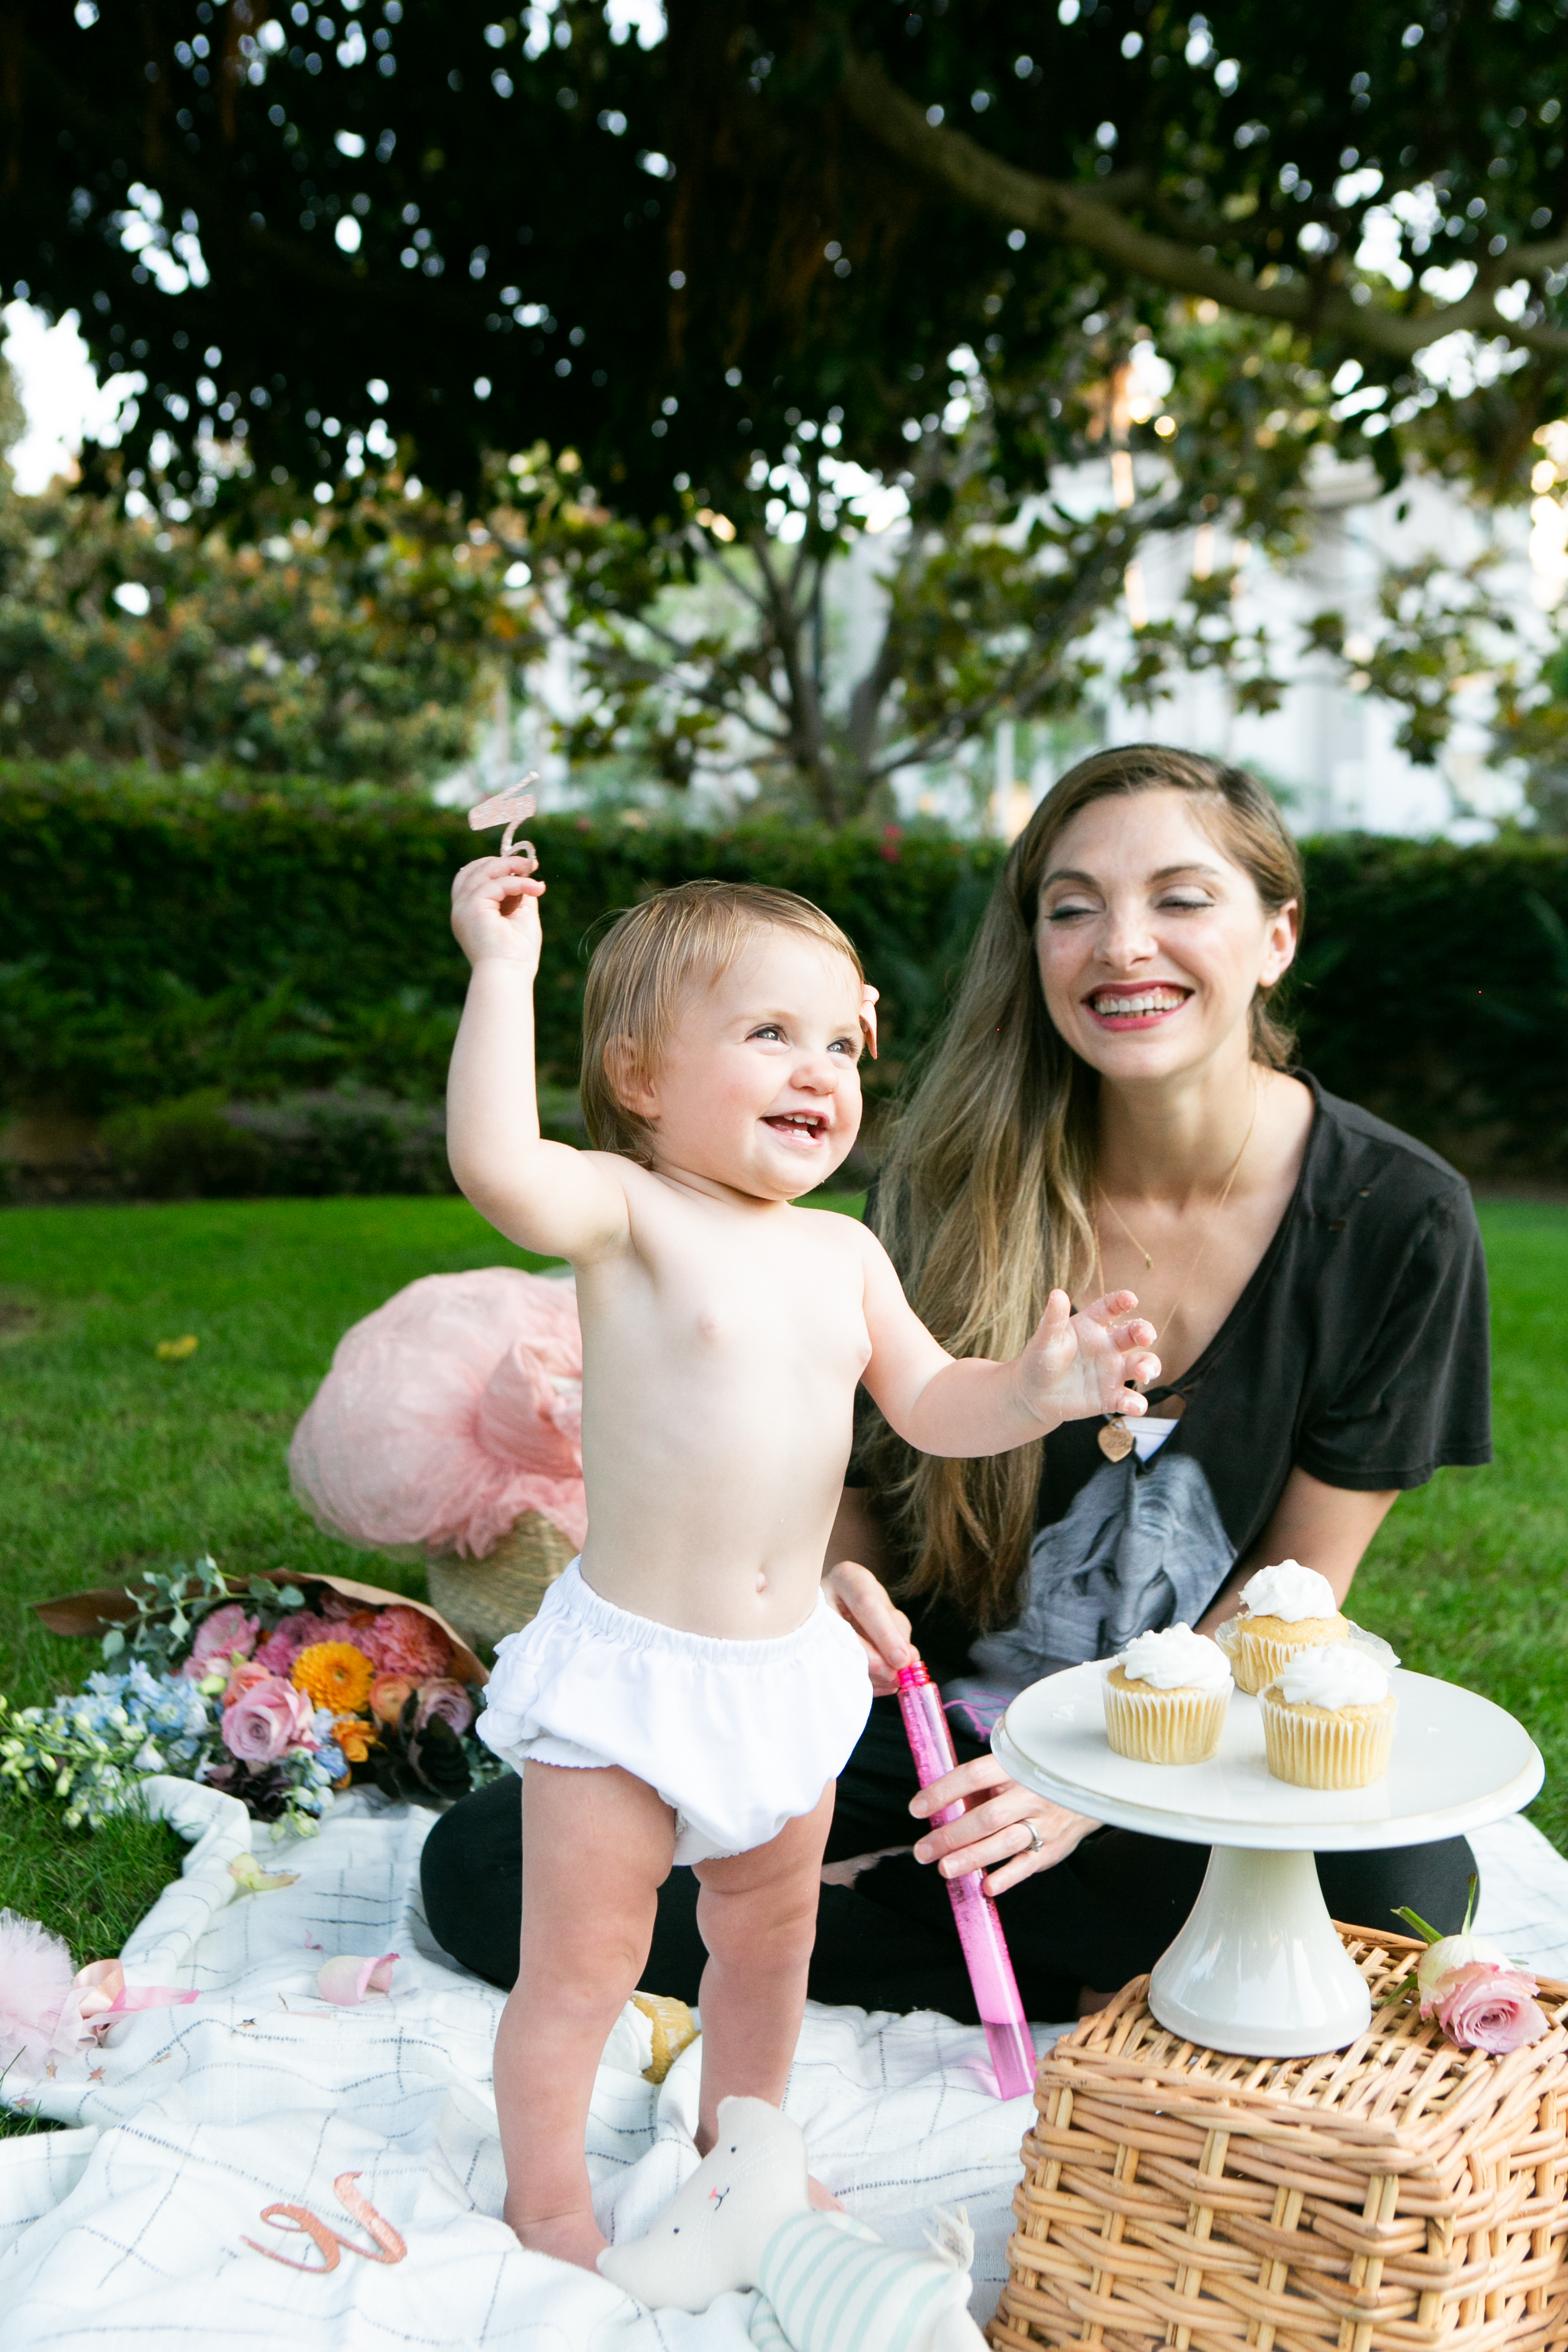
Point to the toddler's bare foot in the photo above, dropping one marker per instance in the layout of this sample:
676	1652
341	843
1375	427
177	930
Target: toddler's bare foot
569	2237
822	2200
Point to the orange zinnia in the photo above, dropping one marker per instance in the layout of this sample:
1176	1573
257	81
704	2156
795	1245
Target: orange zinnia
334	1675
355	1737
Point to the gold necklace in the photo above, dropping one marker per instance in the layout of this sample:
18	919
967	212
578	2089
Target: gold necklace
1115	1437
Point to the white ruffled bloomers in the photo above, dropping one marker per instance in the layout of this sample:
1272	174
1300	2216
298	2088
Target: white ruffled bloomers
737	1738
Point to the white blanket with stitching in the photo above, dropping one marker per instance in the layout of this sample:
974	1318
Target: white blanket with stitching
133	2225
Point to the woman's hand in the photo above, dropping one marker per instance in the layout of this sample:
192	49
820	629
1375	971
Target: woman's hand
884	1631
998	1834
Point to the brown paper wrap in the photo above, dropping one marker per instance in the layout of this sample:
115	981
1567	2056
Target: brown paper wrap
115	1604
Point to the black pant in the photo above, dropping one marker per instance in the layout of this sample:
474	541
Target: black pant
1104	1915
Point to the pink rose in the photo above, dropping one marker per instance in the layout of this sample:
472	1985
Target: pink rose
245	1676
1485	2007
266	1720
217	1638
449	1701
405	1641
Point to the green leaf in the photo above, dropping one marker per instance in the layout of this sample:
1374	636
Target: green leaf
113	1643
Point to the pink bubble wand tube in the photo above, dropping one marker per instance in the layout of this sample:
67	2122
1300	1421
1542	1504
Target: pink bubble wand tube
1007	2035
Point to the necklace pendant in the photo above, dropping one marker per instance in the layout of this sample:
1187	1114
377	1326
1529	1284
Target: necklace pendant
1115	1441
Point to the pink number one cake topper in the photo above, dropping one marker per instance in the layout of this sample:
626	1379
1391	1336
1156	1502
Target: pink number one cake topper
508	808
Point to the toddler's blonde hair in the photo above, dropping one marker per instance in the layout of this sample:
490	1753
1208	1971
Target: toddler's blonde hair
644	965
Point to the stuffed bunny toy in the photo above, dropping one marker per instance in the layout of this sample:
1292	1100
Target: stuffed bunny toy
827	2283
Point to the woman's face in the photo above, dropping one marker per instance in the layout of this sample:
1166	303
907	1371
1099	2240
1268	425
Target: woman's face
1152	941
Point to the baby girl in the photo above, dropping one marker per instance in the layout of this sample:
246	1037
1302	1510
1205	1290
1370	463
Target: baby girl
686	1693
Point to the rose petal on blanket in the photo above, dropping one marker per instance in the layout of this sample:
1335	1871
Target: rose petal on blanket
346	1979
102	1994
251	1879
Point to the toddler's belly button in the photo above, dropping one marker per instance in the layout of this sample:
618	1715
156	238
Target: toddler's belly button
762	1579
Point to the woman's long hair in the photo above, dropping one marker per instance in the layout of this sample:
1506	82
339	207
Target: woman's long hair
985	1198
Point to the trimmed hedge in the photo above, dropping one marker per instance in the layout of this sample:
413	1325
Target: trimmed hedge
298	1147
164	938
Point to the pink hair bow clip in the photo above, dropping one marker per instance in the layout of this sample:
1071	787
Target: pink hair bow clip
508	808
868	996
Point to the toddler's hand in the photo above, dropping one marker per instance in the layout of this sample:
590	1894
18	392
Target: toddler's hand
1080	1364
494	912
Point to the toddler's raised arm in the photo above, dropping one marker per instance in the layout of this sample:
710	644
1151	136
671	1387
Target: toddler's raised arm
1075	1365
544	1196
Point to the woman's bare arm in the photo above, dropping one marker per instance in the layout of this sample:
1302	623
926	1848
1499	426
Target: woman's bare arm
856	1532
1325	1527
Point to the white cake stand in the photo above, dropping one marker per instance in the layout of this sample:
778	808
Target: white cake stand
1257	1969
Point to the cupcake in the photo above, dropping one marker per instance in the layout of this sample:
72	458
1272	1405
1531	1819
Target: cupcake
1284	1609
1328	1721
1166	1698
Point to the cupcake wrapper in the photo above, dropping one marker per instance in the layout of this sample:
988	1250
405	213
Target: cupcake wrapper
1254	1660
1178	1727
1323	1749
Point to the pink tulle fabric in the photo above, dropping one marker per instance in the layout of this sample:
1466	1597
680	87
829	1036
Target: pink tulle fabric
40	2017
448	1413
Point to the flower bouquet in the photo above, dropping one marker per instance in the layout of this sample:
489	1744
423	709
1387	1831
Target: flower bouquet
280	1693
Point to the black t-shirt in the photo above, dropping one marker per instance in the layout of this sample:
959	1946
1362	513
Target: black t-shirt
1358	1350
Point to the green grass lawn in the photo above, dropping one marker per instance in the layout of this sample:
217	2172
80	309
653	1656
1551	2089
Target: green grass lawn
112	1461
1469	1577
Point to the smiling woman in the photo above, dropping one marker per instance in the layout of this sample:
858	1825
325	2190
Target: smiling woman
1114	1105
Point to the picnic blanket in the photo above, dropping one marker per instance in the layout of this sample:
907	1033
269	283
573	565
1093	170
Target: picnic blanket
144	2220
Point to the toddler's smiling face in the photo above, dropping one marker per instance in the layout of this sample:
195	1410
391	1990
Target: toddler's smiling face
759	1088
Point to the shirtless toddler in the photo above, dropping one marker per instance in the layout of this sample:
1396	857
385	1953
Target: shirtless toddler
686	1693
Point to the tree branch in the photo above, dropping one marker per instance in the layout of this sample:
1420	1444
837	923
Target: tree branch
1059	209
625	669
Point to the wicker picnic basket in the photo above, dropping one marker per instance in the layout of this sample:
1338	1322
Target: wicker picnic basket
486	1599
1399	2196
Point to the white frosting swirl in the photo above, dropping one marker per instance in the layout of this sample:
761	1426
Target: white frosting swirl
1332	1674
1177	1659
1289	1591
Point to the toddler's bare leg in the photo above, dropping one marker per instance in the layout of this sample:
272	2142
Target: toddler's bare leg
757	1915
597	1847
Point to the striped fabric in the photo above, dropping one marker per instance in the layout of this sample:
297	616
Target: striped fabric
829	2284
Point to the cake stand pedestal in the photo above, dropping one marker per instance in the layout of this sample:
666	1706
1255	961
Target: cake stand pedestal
1258	1969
